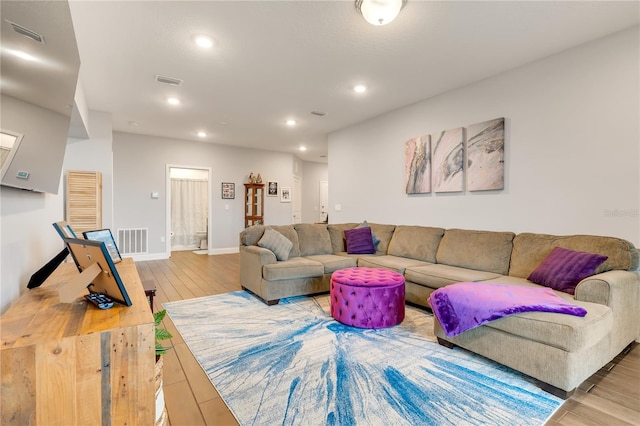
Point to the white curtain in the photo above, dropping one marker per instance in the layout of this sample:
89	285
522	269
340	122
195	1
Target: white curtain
189	211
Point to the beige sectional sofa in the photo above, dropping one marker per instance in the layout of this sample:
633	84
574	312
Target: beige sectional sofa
561	351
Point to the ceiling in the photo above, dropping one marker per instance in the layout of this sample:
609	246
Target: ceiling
276	60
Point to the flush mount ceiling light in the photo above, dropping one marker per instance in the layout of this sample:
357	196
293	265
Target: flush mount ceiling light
303	148
202	134
203	41
291	122
360	88
379	12
173	101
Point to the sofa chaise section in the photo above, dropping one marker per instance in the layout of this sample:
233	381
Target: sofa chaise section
558	350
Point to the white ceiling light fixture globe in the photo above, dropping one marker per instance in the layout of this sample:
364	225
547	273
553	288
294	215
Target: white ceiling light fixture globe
379	12
204	41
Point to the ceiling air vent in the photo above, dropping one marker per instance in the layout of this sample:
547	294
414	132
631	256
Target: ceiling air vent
26	32
168	80
319	113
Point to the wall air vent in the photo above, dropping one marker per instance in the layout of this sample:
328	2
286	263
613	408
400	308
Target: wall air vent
168	80
26	32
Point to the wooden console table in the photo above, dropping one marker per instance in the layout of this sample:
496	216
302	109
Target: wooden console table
72	364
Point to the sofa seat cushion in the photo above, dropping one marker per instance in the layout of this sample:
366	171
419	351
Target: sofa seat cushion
398	264
567	332
437	276
297	267
332	262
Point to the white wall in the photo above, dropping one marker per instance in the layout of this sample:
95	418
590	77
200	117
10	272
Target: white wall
571	156
140	168
28	238
95	154
312	174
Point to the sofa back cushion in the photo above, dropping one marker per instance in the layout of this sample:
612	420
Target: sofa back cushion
416	242
529	250
251	235
384	233
480	250
336	234
290	232
313	239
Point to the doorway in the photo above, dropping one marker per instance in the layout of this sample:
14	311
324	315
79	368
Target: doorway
188	209
296	197
324	201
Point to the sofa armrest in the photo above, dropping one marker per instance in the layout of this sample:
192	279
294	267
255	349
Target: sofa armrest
620	291
252	259
608	288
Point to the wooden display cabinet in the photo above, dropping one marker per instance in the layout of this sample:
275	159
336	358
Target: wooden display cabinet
253	204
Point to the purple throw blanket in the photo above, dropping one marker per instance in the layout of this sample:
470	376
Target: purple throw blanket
463	306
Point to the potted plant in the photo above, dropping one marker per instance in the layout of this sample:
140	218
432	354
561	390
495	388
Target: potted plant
160	334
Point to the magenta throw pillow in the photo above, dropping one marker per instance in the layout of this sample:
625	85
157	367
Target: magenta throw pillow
359	241
563	269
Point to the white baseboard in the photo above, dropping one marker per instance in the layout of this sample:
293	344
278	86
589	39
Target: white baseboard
228	250
148	256
163	256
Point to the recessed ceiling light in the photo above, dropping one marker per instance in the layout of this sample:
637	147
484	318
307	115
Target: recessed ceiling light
173	101
360	88
204	41
303	148
202	134
291	122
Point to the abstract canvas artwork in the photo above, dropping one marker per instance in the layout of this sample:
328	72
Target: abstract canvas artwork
448	161
485	155
418	165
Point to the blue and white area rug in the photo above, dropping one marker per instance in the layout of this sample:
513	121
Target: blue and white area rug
292	364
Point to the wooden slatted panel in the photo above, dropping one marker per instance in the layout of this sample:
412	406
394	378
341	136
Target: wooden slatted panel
84	200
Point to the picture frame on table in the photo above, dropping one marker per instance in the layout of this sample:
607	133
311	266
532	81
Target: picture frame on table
272	189
228	190
285	194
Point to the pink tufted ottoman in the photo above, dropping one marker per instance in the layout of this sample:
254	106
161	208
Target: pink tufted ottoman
367	297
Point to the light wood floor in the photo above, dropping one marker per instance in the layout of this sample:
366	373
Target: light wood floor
611	397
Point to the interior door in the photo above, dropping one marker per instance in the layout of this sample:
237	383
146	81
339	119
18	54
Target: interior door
296	198
324	201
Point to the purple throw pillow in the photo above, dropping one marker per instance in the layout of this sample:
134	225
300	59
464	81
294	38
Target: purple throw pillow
359	241
563	269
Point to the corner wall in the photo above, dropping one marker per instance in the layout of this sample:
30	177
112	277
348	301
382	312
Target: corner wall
139	168
571	155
